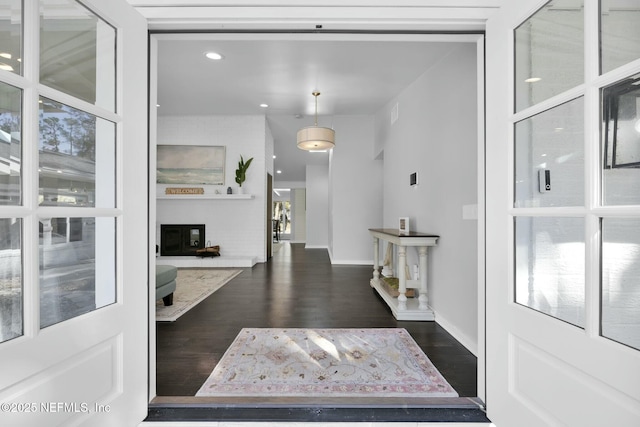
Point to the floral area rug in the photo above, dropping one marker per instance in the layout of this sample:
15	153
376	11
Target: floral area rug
322	362
192	286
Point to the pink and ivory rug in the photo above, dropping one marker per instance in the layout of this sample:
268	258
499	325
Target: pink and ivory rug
325	362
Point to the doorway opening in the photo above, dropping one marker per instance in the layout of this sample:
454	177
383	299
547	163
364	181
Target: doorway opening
271	279
282	220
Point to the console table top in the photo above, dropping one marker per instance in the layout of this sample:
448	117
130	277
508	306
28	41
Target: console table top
394	232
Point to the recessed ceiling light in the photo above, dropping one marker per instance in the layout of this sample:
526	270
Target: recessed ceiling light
6	67
264	105
274	156
5	55
214	56
533	80
278	171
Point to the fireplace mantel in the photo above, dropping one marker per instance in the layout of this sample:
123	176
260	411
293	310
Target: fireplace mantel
204	196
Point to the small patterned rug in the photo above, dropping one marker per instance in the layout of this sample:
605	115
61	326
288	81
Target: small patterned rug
325	362
192	286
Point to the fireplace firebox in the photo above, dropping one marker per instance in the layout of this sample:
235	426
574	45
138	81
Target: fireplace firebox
181	239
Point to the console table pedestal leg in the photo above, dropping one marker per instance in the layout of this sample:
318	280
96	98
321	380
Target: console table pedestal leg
423	299
402	279
376	260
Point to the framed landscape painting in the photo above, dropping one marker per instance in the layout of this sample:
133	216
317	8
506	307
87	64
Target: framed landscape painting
190	164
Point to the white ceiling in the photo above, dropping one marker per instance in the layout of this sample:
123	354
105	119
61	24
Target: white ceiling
355	74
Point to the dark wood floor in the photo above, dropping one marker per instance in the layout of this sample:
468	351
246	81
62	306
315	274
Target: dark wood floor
298	288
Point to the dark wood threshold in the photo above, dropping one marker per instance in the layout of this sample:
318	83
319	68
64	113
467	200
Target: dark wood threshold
462	409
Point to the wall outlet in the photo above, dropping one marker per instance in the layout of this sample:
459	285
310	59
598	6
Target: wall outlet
470	212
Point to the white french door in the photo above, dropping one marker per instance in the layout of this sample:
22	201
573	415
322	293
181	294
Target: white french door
563	213
73	213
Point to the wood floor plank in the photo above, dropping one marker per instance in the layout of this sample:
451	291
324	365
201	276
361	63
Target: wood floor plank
297	288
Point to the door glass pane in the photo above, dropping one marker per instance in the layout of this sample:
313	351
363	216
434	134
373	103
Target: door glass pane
621	280
10	145
77	157
549	49
619	33
77	52
11	36
549	157
550	267
71	281
621	143
10	278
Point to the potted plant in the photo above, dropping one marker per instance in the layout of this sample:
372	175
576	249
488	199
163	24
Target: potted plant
241	172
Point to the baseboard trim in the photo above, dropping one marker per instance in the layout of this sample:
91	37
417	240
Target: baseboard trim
352	262
462	338
208	262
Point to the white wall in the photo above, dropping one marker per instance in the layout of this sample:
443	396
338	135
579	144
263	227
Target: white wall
298	215
355	195
317	193
238	226
435	135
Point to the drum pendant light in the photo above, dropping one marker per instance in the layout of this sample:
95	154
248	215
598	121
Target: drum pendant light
316	137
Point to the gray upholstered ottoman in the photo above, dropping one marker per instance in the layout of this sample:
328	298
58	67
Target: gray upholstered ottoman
166	283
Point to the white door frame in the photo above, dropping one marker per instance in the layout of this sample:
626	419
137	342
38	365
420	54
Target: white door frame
395	19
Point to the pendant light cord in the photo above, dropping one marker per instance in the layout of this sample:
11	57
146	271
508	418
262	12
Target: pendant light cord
316	93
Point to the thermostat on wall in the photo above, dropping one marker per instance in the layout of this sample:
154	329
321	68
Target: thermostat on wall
413	179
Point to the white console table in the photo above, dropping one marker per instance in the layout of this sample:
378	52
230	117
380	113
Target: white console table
404	308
